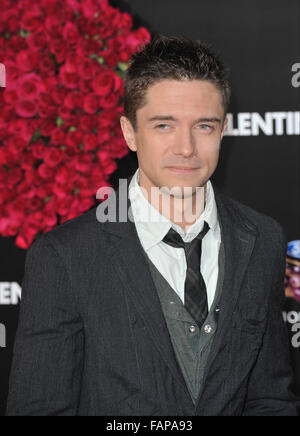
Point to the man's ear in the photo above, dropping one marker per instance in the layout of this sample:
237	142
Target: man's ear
224	127
128	133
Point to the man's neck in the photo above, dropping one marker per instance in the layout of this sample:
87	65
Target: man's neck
181	211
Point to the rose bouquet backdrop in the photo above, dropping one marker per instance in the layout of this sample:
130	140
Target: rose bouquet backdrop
59	114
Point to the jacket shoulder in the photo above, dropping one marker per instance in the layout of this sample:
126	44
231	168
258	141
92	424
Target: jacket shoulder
262	223
73	234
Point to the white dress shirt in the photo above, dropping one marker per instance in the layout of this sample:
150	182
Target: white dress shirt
152	227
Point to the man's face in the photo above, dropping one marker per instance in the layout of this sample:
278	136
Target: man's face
181	125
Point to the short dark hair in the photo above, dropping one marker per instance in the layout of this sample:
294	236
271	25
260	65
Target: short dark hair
175	58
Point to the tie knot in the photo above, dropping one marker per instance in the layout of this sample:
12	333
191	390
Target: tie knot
174	239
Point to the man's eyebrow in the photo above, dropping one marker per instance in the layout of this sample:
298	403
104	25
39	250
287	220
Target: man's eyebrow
171	118
209	120
162	118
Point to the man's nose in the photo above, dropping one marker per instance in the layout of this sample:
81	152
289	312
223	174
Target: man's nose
184	143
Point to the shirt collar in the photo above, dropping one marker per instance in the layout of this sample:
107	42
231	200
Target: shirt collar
152	226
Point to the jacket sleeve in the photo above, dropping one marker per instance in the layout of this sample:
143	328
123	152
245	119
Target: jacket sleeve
47	364
269	389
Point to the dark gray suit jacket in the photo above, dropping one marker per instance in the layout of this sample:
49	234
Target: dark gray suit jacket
92	338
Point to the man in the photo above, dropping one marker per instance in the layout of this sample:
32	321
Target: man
176	311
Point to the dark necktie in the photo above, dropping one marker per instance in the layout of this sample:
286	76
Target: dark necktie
195	296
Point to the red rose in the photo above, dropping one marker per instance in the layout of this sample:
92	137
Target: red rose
53	26
91	103
92	7
51	6
88	123
45	190
21	128
125	21
46	106
109	102
28	161
58	94
104	83
103	135
84	86
12	72
65	176
26	108
37	41
69	80
13	176
52	156
36	203
72	62
38	150
15	145
57	136
45	171
46	66
87	69
25	237
108	165
70	33
73	100
58	49
27	60
118	147
74	139
136	39
62	204
83	163
90	142
10	97
111	58
31	20
29	86
47	125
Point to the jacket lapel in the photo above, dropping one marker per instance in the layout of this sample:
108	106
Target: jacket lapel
239	236
127	256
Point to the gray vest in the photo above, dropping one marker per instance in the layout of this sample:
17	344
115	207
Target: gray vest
191	345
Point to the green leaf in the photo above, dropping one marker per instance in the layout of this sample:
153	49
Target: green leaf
24	33
60	122
35	136
122	66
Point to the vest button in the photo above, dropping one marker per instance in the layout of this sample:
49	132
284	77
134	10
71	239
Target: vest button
192	329
208	328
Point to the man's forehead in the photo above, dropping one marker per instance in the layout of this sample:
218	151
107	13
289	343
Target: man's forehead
190	90
175	97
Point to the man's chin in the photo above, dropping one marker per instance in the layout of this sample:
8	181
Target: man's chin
181	190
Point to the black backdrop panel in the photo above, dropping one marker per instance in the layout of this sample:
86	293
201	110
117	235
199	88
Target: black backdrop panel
260	42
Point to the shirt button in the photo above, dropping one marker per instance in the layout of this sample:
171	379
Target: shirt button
192	329
208	328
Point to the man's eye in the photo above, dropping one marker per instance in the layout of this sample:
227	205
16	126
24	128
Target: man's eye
162	126
205	127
